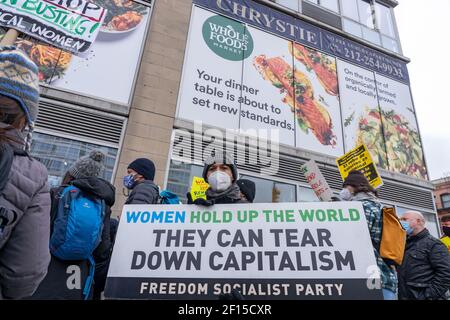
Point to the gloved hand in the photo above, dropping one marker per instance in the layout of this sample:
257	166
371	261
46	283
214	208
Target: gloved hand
233	295
199	201
203	202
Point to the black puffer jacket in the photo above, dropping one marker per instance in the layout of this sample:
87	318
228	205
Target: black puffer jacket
425	271
145	192
61	273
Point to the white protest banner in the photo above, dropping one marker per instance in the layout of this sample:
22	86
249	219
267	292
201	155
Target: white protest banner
317	181
266	251
71	25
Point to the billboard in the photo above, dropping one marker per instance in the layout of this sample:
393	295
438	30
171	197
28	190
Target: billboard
251	74
68	25
107	70
265	251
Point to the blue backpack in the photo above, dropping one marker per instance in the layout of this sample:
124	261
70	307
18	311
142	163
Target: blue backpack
77	228
168	197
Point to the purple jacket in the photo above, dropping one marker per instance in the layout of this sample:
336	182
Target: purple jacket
24	247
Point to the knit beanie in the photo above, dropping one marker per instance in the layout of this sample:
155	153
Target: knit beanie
220	158
248	188
19	80
144	167
356	179
88	166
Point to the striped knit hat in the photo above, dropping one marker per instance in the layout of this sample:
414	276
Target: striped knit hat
88	166
19	80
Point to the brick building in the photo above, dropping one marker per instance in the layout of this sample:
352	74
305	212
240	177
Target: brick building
442	196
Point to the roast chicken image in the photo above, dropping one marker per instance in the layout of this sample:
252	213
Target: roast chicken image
310	114
322	65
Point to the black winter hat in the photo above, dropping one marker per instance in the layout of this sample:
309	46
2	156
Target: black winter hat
144	167
224	158
248	188
356	179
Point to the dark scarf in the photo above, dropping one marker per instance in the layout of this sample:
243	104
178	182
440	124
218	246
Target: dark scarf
233	193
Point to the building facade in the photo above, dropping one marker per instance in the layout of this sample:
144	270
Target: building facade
276	82
442	196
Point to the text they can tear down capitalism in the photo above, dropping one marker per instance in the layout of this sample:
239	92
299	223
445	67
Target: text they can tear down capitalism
305	249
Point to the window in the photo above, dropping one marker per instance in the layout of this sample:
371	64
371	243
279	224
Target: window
332	5
390	44
371	35
353	28
366	16
291	4
445	199
307	195
365	19
350	9
371	21
180	178
59	154
268	191
385	20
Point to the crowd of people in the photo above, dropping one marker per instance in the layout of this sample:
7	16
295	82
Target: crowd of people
57	244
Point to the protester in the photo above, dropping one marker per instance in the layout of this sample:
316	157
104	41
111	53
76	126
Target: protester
356	187
24	194
248	190
425	271
139	180
68	280
101	268
220	172
445	221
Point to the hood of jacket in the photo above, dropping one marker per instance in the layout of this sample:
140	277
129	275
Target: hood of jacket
97	187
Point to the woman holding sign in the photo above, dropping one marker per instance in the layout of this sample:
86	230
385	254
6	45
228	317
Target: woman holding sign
356	187
221	173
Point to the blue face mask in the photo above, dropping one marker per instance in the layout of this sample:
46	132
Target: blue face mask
407	227
129	182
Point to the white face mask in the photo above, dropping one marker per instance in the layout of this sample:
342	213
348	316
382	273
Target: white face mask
219	181
345	194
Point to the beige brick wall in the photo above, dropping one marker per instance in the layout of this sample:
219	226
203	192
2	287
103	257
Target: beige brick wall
153	110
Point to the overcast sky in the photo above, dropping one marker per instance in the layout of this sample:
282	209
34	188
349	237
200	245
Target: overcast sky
424	28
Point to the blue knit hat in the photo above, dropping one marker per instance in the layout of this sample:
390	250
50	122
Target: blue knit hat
19	80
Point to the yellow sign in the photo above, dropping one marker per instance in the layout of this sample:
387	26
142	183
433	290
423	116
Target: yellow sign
360	159
198	188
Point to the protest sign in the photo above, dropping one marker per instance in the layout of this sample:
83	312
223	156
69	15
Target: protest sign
317	181
198	188
359	159
71	25
266	251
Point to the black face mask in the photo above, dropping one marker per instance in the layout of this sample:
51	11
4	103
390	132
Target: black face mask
446	231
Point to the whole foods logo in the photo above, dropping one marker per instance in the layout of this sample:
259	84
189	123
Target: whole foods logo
228	39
